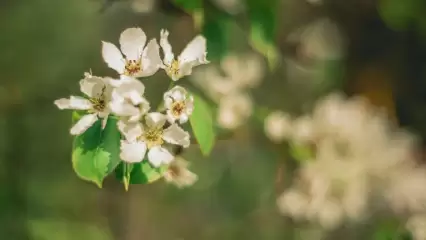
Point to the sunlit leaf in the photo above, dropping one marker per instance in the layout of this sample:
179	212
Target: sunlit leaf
202	124
96	151
301	153
263	28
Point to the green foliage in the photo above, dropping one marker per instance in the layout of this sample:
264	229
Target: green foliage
202	124
140	173
263	28
391	230
215	29
400	15
96	151
60	229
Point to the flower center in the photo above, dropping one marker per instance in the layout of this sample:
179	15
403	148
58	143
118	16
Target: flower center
132	67
153	137
177	108
173	69
99	103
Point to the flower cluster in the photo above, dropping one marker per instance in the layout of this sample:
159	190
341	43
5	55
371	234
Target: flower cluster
230	91
146	134
355	155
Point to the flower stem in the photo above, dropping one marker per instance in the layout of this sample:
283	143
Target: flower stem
126	175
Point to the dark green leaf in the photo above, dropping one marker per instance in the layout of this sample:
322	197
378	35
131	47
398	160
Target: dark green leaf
141	173
202	124
96	151
215	30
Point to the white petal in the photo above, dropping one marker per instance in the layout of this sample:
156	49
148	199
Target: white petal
151	60
158	156
130	130
176	135
92	86
112	56
155	120
195	52
175	94
132	152
83	124
132	41
77	103
123	109
183	118
167	48
131	89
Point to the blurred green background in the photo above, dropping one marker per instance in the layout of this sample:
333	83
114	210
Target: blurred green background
46	45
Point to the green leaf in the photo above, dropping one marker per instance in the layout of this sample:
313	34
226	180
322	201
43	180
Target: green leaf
301	153
141	173
215	29
391	230
263	28
400	14
96	151
202	124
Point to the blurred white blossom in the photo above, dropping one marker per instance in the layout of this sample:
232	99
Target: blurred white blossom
143	6
194	54
231	6
277	126
231	90
319	40
139	60
234	110
356	152
417	226
179	174
96	103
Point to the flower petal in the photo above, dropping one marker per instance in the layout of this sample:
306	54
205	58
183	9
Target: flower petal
158	156
167	48
151	60
195	52
77	103
83	124
130	130
122	108
92	86
132	152
176	135
155	120
131	89
132	41
177	93
112	57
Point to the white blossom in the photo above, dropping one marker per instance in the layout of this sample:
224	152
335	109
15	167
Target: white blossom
179	104
150	137
193	55
234	110
356	152
98	95
138	60
179	175
277	126
128	100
